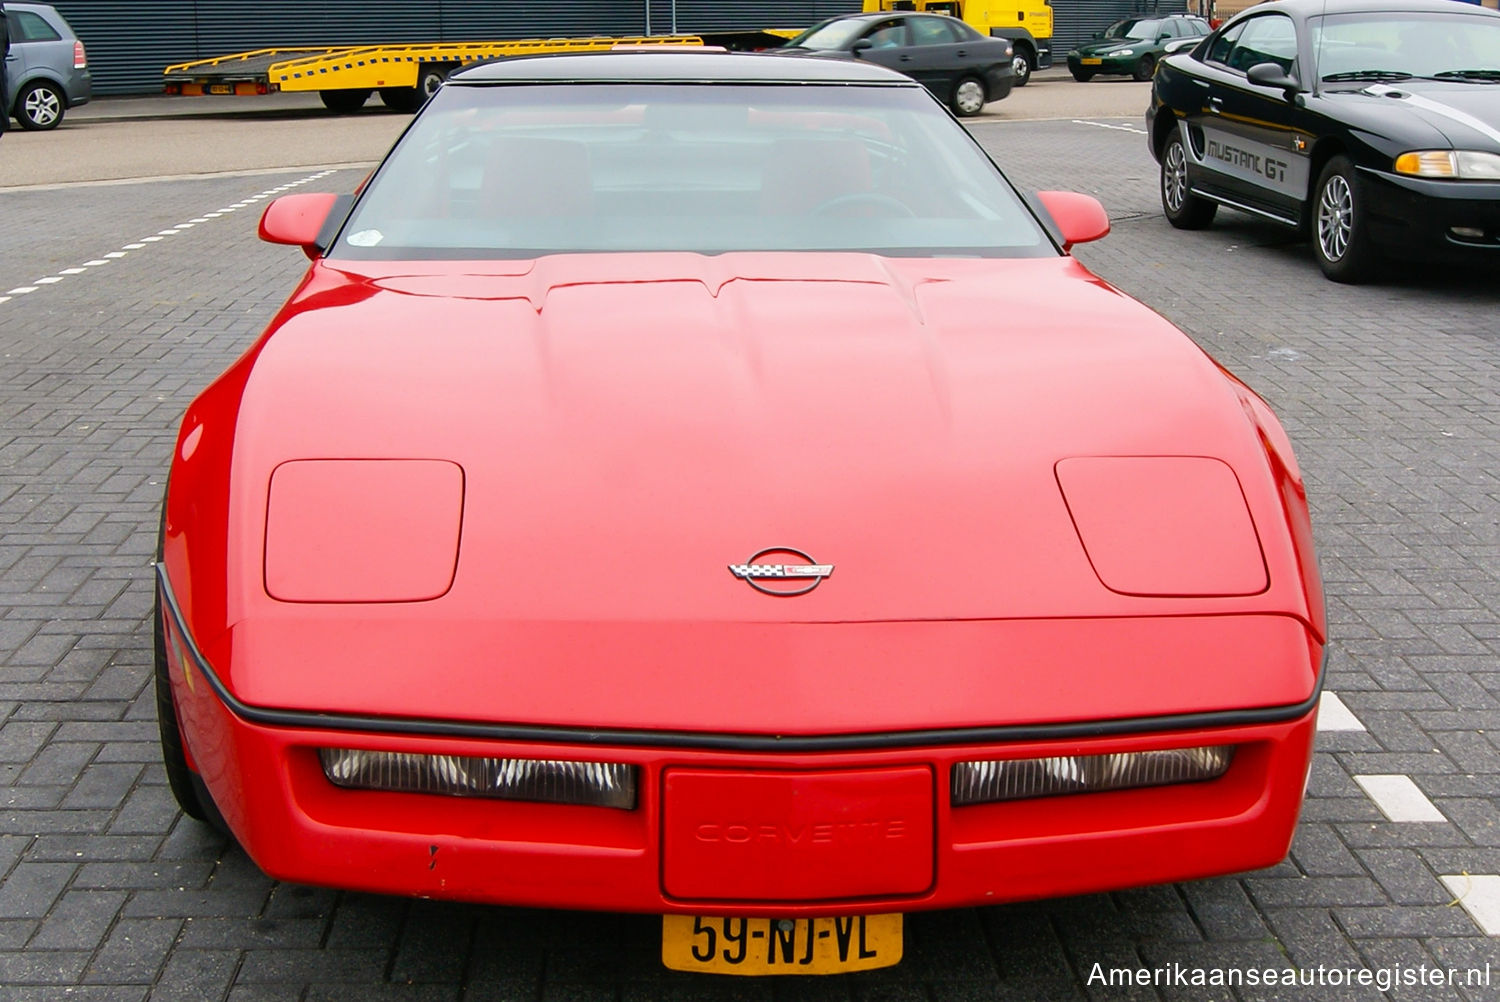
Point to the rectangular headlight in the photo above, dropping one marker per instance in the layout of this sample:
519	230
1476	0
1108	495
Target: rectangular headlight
1016	779
595	784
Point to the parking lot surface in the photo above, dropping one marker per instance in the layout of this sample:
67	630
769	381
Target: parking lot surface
119	302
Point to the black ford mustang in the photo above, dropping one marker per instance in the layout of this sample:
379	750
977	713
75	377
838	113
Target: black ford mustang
1374	125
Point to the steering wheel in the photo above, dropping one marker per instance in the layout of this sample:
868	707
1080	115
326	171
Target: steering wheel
870	199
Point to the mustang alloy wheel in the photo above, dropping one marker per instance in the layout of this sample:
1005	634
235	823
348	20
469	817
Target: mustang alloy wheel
968	97
1182	208
1338	224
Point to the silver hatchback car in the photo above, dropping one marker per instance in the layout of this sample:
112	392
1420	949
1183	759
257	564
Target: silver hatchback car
47	71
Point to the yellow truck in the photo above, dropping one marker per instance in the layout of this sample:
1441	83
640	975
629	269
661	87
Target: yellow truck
1027	23
404	75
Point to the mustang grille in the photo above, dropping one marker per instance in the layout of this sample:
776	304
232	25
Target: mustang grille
1016	779
598	784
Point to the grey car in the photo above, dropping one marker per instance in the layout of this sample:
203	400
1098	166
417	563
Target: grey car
47	71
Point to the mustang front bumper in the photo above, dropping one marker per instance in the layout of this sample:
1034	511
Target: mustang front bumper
1431	219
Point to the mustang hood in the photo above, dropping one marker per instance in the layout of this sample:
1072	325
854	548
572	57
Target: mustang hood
1467	115
628	427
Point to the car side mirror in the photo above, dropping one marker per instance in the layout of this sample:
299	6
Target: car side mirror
1079	218
1162	38
1272	75
298	220
1178	44
862	45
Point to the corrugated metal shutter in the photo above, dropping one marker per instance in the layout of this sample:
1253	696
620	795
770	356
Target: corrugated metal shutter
130	41
1075	21
473	20
725	15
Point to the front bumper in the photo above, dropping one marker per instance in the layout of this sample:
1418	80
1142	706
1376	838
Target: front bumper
1414	218
269	785
1106	64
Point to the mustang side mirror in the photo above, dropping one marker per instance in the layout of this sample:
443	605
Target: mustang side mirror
1079	218
298	220
1272	75
863	45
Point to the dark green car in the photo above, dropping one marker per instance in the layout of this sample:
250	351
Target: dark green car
1133	46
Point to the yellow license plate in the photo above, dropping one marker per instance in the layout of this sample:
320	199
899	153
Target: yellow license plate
756	946
220	88
1092	62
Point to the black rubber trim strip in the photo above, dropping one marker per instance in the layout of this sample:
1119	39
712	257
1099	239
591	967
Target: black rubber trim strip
305	719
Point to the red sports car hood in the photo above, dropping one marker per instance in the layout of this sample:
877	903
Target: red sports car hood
628	427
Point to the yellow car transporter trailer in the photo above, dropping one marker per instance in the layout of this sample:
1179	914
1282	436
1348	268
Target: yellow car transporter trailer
405	75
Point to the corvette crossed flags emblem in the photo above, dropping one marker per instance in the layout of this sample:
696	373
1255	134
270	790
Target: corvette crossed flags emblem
753	573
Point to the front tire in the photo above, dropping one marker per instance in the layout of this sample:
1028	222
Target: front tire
1340	240
968	97
40	106
179	776
1021	64
1182	208
1144	69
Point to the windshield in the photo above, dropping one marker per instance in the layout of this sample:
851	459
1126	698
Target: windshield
1134	28
835	34
521	171
1403	44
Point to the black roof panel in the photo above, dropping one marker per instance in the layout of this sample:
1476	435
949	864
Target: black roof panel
678	65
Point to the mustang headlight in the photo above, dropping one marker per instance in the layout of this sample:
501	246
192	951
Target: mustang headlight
1463	165
1017	779
597	784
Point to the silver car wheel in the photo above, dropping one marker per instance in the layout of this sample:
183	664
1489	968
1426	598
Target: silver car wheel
1174	177
43	106
969	98
1335	217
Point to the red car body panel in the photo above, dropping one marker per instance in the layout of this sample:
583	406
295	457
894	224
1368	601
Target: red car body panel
626	427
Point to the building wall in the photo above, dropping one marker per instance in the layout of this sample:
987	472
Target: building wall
130	41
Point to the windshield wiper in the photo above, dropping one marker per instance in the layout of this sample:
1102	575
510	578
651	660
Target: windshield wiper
1467	75
1367	75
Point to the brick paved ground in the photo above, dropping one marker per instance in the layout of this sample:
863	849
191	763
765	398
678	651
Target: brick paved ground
1390	394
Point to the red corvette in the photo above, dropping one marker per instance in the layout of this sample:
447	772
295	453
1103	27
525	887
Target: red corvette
700	484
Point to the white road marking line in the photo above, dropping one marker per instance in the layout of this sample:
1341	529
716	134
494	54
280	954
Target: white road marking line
141	245
1399	799
1106	125
1479	893
1333	715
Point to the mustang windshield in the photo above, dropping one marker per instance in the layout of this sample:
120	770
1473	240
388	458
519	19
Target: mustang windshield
526	170
1398	45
